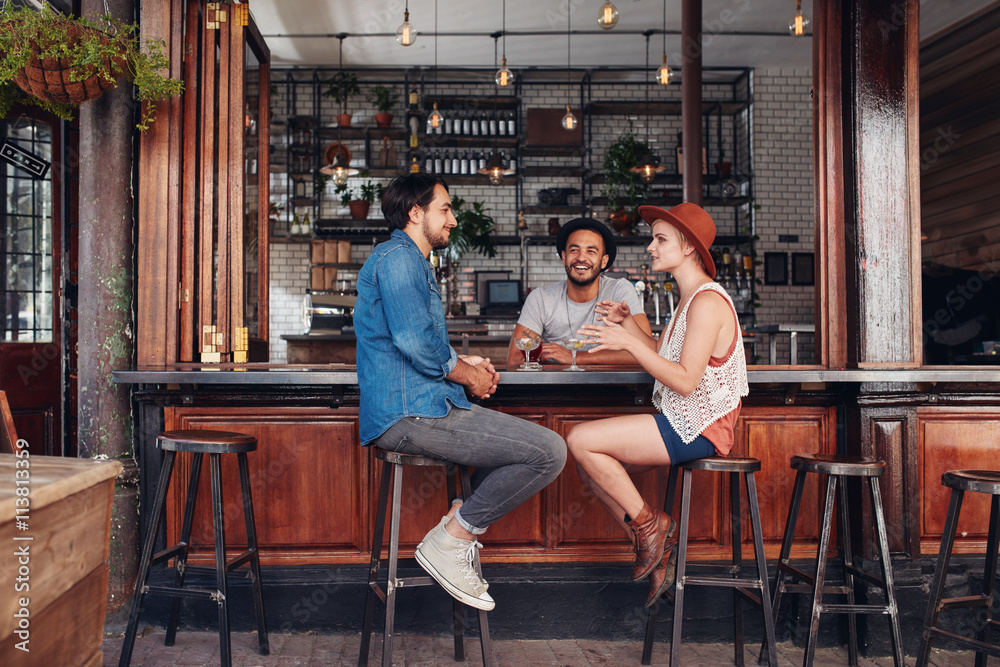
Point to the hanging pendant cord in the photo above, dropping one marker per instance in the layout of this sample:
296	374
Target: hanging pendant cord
664	27
505	29
646	73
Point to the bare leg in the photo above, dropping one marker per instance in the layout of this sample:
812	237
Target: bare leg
613	508
602	447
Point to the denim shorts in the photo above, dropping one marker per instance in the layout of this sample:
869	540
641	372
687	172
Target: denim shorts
699	448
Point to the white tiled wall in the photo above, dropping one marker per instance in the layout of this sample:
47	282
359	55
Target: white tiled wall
784	190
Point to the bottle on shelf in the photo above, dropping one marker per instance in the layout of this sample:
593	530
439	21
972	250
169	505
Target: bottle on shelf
429	163
512	165
438	166
482	160
414	98
449	124
484	124
511	129
296	229
414	165
464	164
466	124
502	126
493	125
455	160
474	125
306	228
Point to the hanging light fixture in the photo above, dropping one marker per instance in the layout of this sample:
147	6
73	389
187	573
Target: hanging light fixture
406	34
339	168
436	118
504	76
649	163
494	168
569	121
797	26
664	75
607	16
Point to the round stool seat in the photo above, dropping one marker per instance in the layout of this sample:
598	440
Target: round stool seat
206	442
979	481
834	464
723	464
400	458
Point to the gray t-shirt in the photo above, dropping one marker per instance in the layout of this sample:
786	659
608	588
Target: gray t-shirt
548	310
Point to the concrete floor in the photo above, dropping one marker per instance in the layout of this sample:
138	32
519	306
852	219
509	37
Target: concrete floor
315	650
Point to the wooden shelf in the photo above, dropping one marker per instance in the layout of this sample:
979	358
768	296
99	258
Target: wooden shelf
336	134
476	179
538	209
554	151
351	266
674	201
554	172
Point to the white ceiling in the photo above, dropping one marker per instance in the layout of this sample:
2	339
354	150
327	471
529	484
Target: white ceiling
736	32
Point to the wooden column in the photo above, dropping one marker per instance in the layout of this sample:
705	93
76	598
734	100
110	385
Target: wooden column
106	278
691	99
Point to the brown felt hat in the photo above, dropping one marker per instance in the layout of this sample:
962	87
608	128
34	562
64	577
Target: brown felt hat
693	221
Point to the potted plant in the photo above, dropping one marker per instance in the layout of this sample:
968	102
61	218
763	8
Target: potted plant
341	87
360	200
58	62
472	232
625	189
384	100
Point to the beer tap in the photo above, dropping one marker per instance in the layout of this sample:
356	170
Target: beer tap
668	288
641	286
655	288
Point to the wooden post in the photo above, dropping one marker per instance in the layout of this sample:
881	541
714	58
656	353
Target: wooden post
691	99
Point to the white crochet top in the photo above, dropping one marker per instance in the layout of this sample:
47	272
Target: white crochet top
720	389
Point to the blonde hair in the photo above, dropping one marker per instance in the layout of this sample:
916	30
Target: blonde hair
684	241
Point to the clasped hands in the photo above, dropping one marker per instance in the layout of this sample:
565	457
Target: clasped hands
485	378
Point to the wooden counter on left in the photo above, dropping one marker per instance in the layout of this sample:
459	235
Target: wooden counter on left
59	535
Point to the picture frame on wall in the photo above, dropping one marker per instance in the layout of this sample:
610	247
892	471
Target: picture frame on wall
775	268
803	268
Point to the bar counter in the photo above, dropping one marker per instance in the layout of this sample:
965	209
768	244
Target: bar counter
922	421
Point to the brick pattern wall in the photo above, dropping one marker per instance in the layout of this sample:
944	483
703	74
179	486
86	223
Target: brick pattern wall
782	126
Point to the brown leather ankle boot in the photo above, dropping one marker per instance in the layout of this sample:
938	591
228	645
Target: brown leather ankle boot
662	577
651	530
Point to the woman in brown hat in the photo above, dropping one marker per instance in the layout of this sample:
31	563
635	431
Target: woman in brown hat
700	374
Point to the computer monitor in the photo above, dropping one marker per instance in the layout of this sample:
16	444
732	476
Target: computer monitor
503	297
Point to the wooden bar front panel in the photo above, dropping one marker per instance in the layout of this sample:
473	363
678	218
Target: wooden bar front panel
955	439
315	490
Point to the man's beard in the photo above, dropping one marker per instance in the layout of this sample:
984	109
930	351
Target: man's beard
586	282
437	241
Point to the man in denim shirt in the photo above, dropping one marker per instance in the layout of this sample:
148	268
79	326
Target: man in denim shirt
413	388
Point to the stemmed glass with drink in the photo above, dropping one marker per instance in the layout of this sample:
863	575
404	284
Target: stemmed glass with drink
526	344
574	344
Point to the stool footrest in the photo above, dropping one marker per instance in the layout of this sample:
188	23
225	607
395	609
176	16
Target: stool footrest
869	578
167	553
801	575
974	644
240	560
723	581
172	592
964	602
853	608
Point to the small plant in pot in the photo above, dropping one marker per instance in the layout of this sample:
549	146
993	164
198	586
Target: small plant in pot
384	100
360	200
341	87
473	232
58	62
625	189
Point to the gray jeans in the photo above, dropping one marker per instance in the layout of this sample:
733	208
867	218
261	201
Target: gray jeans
522	457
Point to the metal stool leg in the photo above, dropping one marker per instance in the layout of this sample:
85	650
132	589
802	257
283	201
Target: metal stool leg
458	631
675	639
887	579
937	587
390	593
225	651
736	532
147	556
989	574
484	623
850	580
758	548
181	565
786	549
375	564
824	547
263	644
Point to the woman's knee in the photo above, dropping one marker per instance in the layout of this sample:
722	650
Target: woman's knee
577	440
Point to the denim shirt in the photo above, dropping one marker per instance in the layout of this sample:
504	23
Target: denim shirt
403	350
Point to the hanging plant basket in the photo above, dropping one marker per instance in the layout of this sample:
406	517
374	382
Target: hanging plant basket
59	62
55	79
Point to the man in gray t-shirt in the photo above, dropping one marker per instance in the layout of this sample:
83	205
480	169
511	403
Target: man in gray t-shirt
556	311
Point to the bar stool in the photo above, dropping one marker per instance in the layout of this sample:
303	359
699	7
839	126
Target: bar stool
960	481
392	469
837	469
213	443
743	587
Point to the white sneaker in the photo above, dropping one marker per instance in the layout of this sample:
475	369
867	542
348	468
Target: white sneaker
450	561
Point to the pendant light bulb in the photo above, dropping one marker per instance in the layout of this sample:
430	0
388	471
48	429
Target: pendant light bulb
340	176
504	76
664	75
436	118
607	16
496	176
569	120
800	22
406	34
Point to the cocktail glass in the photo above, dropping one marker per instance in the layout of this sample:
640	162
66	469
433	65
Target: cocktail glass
526	344
574	344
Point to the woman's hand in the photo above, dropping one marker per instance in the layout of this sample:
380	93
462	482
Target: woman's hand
611	336
613	311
